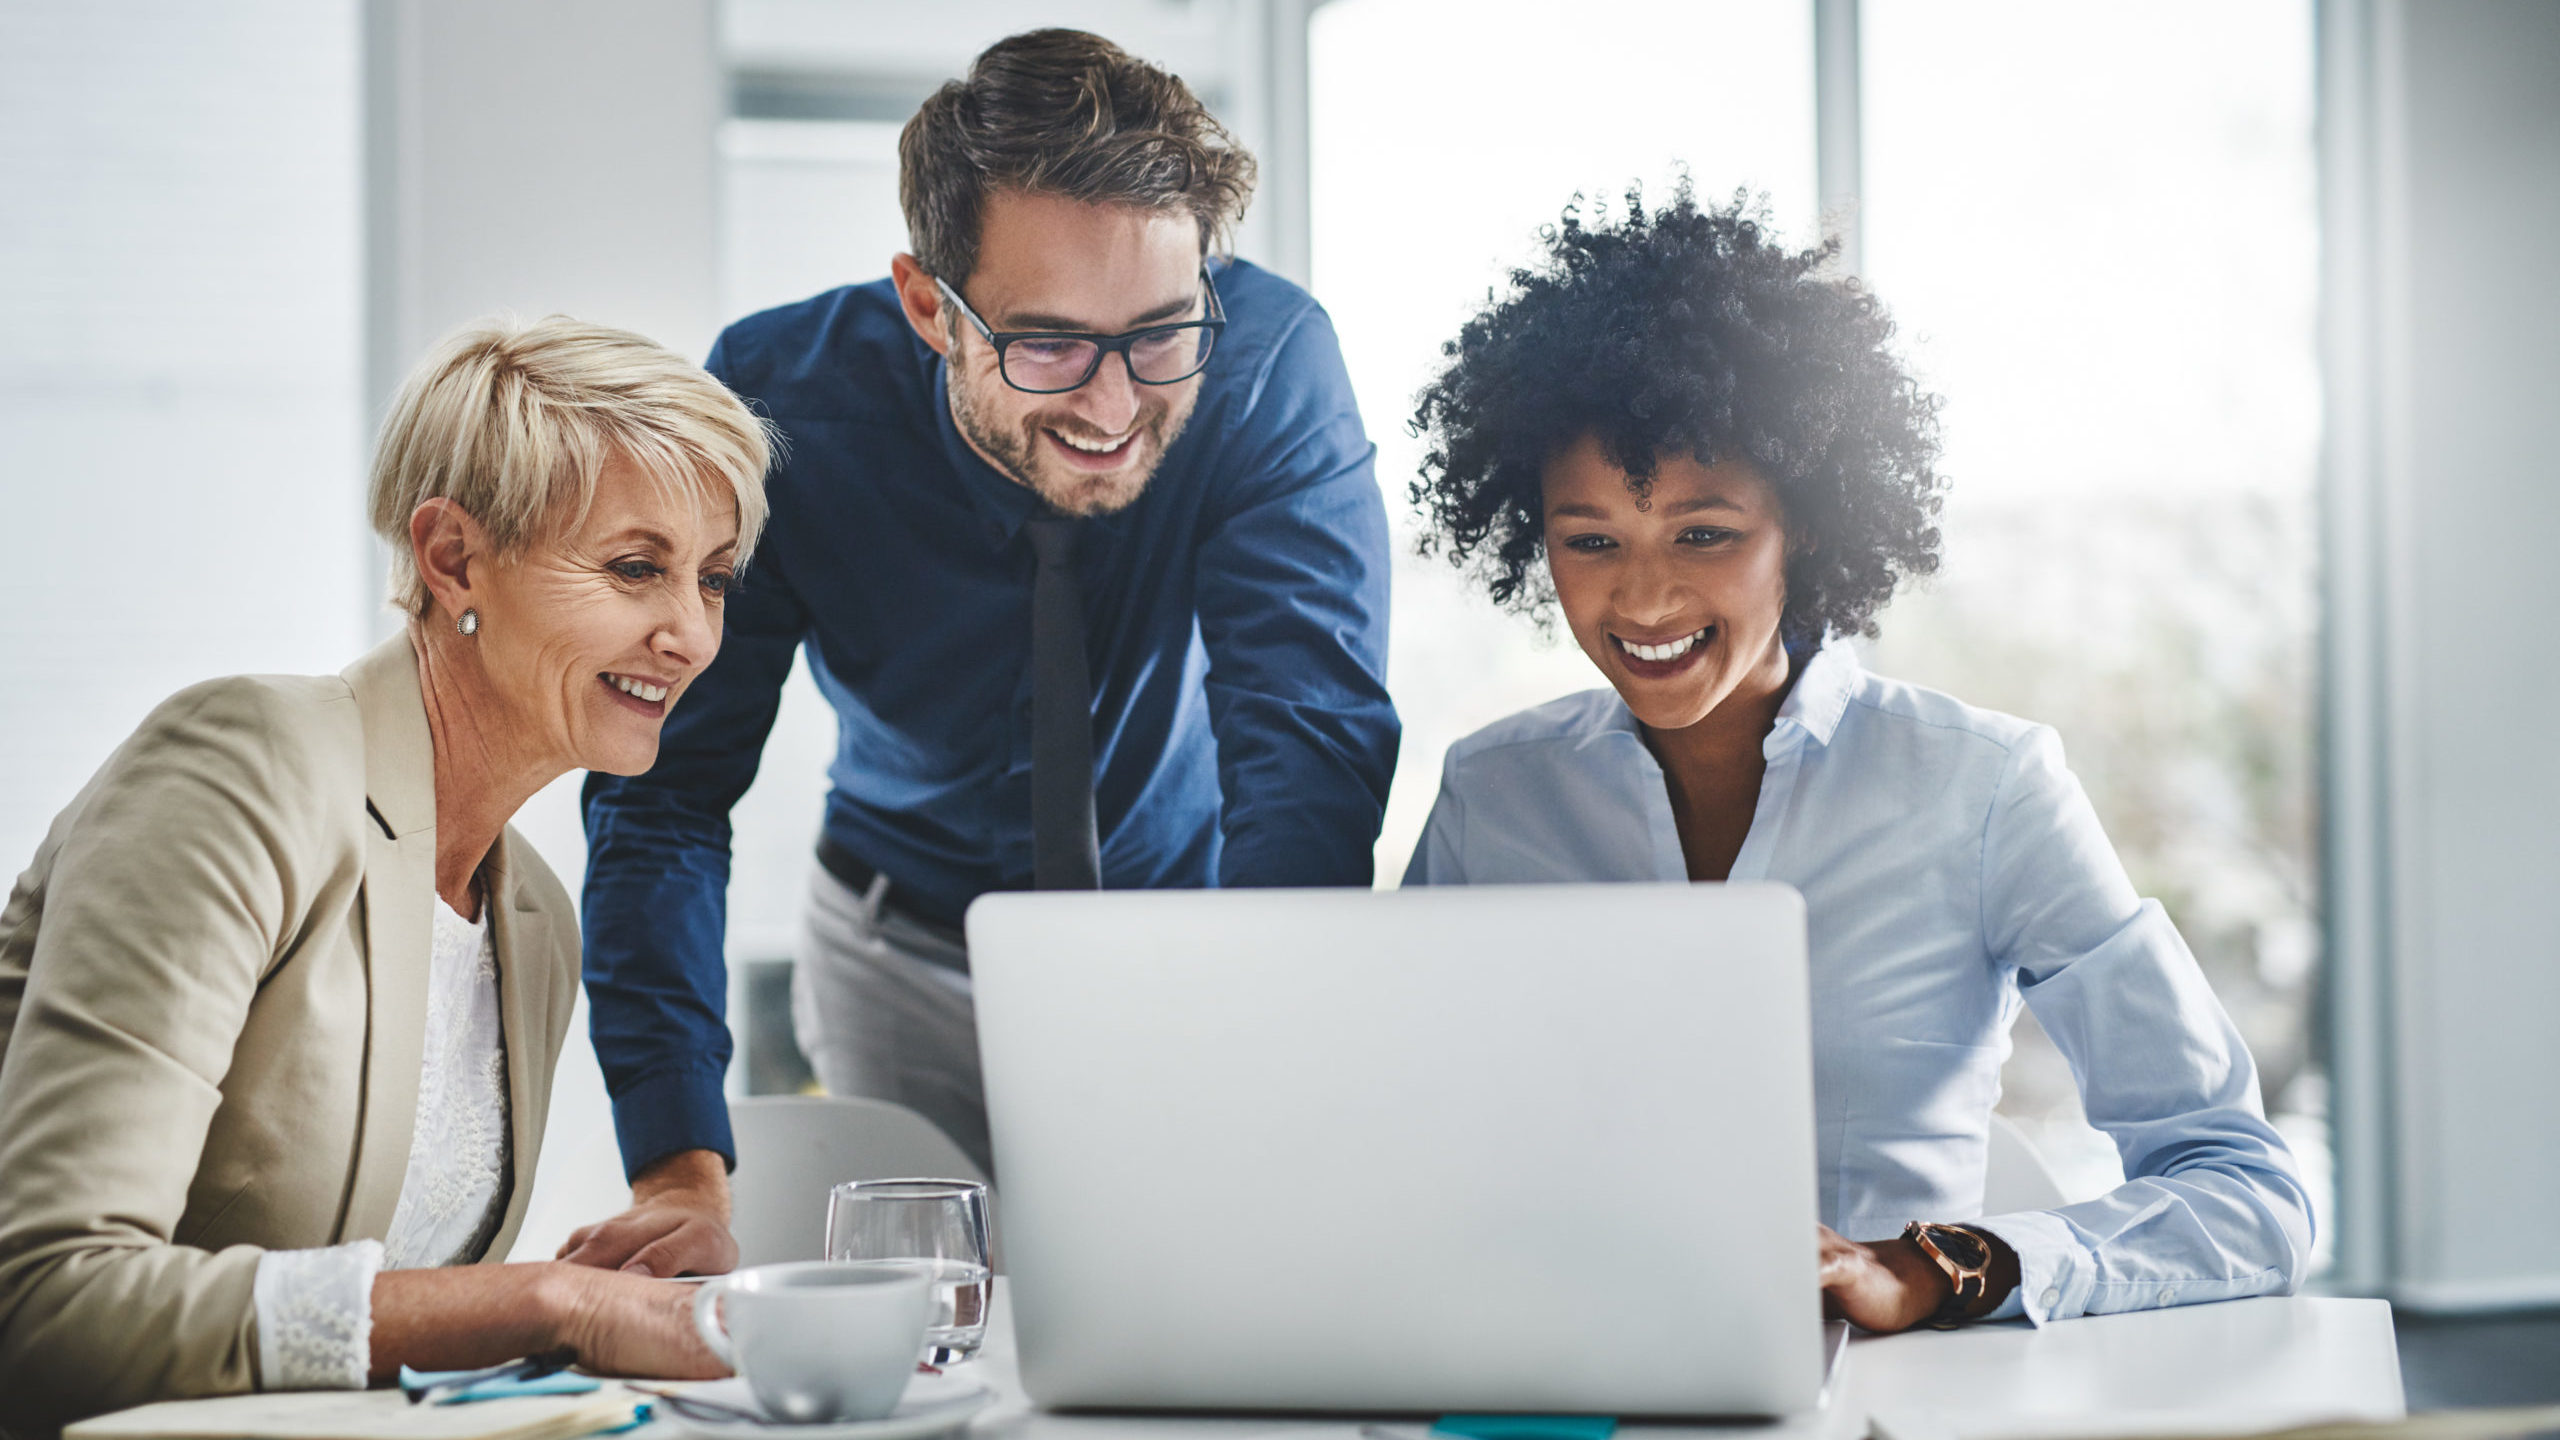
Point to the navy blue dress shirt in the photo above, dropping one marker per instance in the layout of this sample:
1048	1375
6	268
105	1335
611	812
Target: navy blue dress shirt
1235	619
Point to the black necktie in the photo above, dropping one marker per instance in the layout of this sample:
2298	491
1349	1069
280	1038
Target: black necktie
1065	851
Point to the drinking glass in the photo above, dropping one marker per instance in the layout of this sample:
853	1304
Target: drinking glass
941	1224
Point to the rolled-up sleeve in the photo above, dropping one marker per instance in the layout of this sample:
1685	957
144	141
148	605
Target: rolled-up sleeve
2213	1208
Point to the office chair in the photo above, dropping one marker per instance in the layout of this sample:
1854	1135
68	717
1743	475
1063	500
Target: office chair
792	1149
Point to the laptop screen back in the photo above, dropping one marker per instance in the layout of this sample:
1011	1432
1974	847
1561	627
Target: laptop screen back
1496	1148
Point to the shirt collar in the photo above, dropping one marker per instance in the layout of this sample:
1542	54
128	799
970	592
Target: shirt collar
1001	505
1830	675
1821	693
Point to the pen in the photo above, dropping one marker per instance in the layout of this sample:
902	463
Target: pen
532	1367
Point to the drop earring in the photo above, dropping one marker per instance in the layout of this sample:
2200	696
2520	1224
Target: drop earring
469	624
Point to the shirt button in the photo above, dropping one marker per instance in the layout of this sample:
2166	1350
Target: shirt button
2168	1297
2052	1298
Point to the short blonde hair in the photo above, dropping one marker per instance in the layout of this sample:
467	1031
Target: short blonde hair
514	423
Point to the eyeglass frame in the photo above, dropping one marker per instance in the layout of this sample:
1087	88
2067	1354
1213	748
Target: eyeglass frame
1105	346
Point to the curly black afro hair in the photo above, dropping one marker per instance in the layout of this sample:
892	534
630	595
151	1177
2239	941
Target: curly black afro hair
1687	331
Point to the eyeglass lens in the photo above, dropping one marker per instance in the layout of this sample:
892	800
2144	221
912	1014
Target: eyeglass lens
1157	357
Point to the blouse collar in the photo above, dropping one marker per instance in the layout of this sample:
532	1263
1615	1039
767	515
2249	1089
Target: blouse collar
1811	711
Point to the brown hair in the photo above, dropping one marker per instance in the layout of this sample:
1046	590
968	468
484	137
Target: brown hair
1066	113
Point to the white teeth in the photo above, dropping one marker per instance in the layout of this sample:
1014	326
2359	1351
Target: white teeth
1093	447
641	688
1672	651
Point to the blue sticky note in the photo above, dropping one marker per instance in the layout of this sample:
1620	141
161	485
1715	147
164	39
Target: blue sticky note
1527	1427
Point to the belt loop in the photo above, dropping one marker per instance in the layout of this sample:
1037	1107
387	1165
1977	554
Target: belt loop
873	896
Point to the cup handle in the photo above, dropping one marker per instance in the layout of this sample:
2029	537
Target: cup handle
706	1323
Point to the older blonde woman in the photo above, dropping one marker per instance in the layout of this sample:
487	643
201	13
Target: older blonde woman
281	994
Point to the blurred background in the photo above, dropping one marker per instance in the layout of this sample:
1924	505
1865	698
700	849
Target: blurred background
2243	312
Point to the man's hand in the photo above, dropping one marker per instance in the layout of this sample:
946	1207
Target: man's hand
1887	1286
678	1223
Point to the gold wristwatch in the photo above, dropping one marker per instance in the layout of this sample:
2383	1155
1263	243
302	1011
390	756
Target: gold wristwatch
1965	1255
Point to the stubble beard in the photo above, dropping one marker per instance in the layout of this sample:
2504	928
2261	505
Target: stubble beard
1018	455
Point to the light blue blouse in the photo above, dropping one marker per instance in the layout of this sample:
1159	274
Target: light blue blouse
1951	867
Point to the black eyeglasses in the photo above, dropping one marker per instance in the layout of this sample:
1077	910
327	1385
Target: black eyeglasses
1052	362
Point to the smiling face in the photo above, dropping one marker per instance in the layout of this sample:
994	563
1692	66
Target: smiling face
592	635
1047	263
1677	598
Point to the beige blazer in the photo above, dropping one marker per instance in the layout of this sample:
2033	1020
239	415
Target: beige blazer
213	997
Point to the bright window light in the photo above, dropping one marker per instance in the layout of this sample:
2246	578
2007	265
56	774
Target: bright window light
1445	133
2098	229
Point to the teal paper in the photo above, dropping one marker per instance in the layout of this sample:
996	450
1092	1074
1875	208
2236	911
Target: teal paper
1527	1427
559	1383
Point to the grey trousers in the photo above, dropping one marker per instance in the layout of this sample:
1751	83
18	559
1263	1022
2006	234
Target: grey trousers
879	1018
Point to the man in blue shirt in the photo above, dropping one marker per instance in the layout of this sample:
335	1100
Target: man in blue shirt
1078	527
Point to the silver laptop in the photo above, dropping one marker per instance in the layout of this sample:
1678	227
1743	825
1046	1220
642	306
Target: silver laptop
1484	1149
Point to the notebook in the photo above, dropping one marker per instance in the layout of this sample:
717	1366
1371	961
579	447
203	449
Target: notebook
364	1415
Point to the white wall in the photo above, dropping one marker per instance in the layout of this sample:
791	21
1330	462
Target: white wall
181	447
1245	57
547	157
2443	165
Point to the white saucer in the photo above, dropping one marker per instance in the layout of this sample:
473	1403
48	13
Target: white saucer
933	1405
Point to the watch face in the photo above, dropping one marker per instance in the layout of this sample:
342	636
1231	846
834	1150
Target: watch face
1962	1246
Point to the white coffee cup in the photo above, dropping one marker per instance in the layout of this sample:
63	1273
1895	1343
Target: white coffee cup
819	1339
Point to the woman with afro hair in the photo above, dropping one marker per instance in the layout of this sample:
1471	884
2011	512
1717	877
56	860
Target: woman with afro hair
1695	445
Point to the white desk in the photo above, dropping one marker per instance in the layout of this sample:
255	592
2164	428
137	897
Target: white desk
2201	1369
2237	1366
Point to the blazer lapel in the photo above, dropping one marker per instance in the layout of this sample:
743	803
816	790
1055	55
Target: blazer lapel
522	934
399	925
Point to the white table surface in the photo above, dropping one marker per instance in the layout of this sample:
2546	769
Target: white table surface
2204	1369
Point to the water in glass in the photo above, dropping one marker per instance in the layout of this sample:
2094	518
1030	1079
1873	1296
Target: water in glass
941	1224
957	1315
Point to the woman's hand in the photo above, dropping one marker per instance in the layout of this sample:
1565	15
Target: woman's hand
1891	1285
678	1223
462	1317
626	1324
1885	1287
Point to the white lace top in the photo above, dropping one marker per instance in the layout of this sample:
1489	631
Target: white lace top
315	1307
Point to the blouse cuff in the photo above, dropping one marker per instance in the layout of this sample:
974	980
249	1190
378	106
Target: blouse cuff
2055	1272
315	1316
